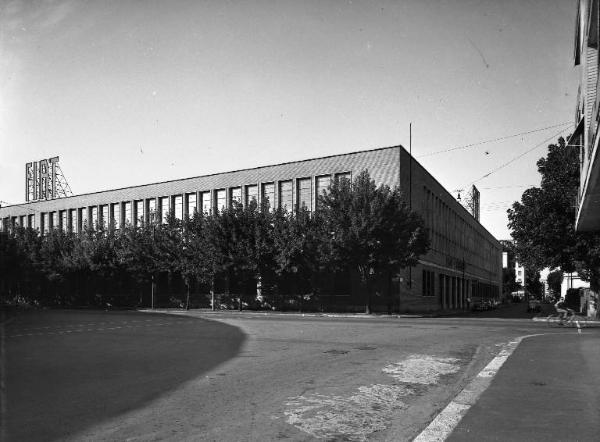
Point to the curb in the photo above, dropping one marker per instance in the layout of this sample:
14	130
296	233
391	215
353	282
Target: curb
587	324
196	312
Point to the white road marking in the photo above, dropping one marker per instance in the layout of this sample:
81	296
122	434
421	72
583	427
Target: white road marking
422	369
350	417
445	422
372	407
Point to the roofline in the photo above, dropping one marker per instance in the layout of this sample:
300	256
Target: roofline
450	194
398	146
207	175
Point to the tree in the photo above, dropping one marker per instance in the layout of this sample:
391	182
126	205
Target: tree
533	285
372	230
299	242
197	261
509	284
555	279
542	223
241	239
13	267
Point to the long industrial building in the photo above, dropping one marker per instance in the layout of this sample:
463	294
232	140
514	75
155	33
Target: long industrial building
464	262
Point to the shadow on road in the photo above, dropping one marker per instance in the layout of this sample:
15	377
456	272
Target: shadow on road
68	370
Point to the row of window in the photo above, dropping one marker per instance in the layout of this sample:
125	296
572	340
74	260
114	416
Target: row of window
277	194
451	234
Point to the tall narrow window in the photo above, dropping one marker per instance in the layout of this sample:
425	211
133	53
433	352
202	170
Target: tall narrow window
31	221
55	224
178	206
94	217
191	204
138	215
322	183
116	213
73	225
235	195
127	213
304	189
285	195
22	220
83	218
152	210
268	195
44	223
205	202
251	193
164	209
220	199
428	287
63	220
104	218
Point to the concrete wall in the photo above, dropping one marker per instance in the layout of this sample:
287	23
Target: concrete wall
465	259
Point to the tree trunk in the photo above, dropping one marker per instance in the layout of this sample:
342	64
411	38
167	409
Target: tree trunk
153	288
212	293
368	292
187	301
388	276
364	279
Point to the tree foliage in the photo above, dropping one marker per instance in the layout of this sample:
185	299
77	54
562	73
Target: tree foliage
555	280
543	223
253	256
372	230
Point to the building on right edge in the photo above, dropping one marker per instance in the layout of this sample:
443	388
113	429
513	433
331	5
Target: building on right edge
585	137
587	115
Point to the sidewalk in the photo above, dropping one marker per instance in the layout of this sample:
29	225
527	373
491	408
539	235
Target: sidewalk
548	389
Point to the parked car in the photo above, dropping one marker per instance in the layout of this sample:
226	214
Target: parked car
482	305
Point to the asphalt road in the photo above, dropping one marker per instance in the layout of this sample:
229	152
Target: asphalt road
242	376
67	370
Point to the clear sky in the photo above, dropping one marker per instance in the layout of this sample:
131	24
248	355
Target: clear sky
132	92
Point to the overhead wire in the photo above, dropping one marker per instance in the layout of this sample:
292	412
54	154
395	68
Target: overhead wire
502	166
506	137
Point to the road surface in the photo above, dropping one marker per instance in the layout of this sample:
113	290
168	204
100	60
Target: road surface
248	376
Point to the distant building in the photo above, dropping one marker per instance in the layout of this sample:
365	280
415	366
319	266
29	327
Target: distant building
572	281
464	260
519	274
509	261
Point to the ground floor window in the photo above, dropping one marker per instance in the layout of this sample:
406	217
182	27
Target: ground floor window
428	284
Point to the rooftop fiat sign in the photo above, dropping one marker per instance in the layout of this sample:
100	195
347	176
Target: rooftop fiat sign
40	179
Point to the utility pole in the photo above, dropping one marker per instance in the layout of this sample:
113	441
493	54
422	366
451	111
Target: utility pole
410	166
152	220
410	161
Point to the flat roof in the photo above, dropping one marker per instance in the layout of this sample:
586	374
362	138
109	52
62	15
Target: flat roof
24	204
